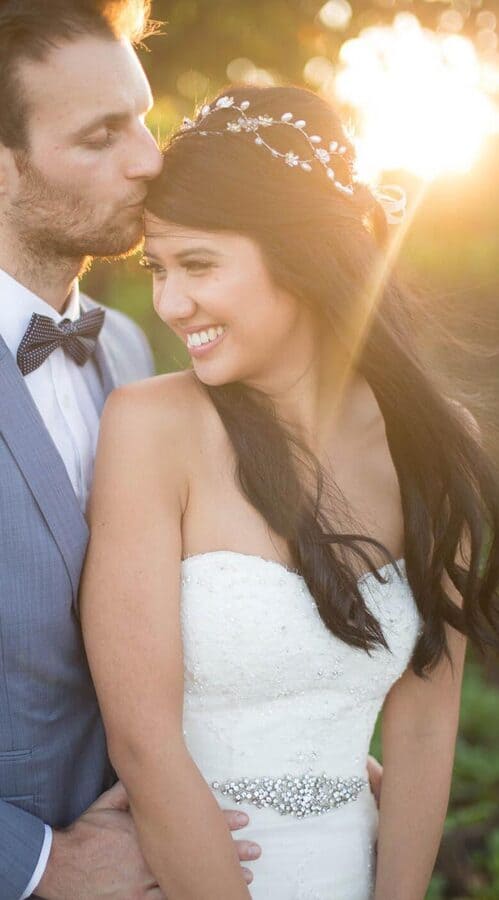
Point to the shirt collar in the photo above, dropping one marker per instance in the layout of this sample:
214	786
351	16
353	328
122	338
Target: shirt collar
18	303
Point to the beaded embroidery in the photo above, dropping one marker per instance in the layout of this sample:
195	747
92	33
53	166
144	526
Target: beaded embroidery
305	795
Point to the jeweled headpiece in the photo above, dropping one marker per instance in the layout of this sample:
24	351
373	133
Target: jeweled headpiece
257	124
391	197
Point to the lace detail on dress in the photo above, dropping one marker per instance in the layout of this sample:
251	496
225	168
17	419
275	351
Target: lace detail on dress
269	691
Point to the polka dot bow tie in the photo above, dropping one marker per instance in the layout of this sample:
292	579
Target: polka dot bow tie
43	335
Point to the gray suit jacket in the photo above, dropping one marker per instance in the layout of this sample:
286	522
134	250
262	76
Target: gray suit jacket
53	760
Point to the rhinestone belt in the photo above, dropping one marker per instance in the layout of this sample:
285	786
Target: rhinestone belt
303	795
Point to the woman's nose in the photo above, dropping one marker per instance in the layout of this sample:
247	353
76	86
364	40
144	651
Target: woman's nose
173	304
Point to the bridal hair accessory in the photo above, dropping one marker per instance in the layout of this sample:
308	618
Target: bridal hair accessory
258	123
391	197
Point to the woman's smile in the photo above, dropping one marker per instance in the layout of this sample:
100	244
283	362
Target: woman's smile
203	340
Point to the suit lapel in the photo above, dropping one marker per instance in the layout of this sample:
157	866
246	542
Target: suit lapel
25	433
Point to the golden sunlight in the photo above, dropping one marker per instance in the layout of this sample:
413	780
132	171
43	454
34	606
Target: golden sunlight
420	98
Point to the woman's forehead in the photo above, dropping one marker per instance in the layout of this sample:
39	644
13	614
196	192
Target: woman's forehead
169	235
162	228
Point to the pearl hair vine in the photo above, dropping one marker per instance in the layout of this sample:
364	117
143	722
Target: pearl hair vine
256	124
391	197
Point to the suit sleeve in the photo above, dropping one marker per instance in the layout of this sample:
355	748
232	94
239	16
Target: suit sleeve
130	345
149	366
21	841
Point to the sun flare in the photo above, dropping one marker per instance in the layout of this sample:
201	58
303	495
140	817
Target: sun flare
419	97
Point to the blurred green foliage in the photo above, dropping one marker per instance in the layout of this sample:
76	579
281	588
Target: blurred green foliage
450	250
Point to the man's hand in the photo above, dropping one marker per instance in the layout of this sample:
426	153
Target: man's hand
375	772
98	856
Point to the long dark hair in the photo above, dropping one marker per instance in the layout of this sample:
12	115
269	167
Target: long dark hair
329	250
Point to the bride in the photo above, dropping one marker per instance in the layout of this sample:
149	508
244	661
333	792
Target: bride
287	536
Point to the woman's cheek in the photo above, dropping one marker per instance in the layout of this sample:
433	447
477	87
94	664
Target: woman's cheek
157	294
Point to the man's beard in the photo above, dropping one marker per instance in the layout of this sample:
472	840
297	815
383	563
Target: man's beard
55	223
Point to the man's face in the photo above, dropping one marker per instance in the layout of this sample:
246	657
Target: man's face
80	185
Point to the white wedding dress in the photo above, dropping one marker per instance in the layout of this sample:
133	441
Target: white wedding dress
270	692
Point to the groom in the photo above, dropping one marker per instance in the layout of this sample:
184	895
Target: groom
75	159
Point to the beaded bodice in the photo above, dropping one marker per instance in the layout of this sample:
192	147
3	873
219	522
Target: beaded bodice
268	689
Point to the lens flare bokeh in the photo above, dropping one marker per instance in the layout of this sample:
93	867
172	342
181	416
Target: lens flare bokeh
422	100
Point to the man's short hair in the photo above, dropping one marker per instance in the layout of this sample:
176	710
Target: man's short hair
30	30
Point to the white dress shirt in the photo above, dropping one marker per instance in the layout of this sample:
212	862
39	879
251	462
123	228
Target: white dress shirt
69	398
64	392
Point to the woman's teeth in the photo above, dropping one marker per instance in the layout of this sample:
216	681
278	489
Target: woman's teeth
197	338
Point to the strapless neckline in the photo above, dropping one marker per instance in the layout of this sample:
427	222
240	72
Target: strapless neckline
274	701
398	567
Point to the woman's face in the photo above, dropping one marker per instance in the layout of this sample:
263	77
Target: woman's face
214	290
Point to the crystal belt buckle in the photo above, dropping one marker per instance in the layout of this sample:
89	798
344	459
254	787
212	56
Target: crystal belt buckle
302	795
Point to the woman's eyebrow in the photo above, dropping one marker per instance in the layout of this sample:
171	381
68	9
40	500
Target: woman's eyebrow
150	256
183	254
199	249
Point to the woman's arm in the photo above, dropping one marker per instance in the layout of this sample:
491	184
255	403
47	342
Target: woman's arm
131	624
419	727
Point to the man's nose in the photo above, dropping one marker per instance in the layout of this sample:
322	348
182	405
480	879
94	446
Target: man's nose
146	161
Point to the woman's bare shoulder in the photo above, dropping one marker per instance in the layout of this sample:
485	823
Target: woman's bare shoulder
175	399
154	427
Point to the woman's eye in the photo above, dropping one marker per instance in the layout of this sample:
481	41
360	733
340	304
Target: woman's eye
193	266
197	265
151	266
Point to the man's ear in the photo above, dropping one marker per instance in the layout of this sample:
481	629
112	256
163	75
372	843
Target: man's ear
9	172
3	173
